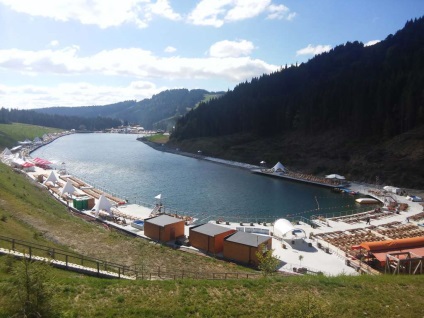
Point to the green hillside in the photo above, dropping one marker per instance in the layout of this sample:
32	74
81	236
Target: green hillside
10	134
161	111
357	110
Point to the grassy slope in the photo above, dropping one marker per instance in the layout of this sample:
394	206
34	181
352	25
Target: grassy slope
365	296
10	134
32	215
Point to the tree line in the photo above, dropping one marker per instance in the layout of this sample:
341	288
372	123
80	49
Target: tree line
56	121
375	91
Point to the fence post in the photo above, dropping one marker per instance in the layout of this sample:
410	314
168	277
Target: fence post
13	244
66	260
82	260
98	268
119	272
182	275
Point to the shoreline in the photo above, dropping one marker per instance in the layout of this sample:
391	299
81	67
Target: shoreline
288	248
246	166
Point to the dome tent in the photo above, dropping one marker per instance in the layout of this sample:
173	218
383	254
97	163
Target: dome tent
284	229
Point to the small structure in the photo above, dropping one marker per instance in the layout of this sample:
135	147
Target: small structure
242	247
279	168
68	188
163	228
102	204
284	229
209	237
52	179
397	256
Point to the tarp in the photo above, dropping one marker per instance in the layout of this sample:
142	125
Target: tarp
68	188
279	167
102	204
39	161
390	245
282	227
28	164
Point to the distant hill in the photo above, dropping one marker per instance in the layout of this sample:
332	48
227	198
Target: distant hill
159	112
343	110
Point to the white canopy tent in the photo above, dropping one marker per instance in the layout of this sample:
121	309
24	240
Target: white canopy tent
68	188
335	176
52	178
283	228
6	152
102	204
279	168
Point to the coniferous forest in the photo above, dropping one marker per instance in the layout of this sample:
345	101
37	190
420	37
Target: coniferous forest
375	90
361	96
56	121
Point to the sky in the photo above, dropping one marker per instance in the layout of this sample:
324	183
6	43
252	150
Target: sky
98	52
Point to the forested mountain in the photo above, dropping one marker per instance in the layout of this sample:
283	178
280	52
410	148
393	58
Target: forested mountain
57	121
363	95
160	111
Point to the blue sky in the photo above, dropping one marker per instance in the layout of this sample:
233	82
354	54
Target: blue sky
97	52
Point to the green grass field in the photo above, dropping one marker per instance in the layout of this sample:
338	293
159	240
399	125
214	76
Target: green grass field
366	296
158	138
10	134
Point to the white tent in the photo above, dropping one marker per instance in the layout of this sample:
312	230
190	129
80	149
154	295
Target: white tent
158	196
52	178
279	167
6	152
392	189
283	228
68	188
102	204
335	176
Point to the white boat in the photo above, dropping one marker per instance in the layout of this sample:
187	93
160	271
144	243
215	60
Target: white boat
367	201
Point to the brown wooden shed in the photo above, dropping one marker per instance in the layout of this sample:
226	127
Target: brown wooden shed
209	237
163	228
242	247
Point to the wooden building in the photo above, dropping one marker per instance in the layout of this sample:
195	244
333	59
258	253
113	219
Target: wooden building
209	237
242	247
163	228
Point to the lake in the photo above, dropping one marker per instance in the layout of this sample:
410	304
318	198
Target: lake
127	168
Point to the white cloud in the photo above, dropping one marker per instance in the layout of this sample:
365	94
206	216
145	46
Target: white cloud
279	12
54	43
71	94
313	50
369	43
216	13
226	62
103	13
170	49
231	48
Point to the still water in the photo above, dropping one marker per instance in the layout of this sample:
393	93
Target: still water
125	167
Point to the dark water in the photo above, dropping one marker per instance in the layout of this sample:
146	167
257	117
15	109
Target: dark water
130	169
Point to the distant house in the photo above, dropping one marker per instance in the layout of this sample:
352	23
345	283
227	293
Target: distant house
242	247
163	228
209	237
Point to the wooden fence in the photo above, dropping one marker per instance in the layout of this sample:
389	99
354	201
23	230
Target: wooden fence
92	266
